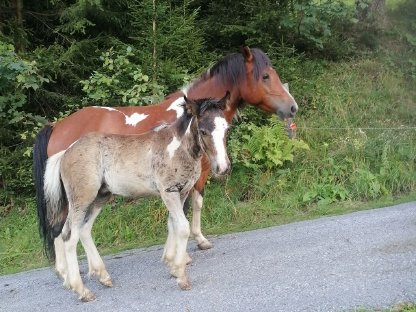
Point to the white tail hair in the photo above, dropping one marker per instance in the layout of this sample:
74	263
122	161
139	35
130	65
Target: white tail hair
53	187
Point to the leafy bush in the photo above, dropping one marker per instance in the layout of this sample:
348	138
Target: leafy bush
18	78
263	147
119	81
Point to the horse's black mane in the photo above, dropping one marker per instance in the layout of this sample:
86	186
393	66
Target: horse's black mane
231	69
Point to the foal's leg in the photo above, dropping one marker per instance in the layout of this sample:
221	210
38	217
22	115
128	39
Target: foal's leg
95	262
169	250
70	235
197	201
61	266
180	227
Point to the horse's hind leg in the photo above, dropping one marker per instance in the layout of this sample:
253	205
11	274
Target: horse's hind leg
95	262
70	235
61	266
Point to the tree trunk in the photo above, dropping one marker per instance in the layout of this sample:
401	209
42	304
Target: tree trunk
154	57
372	11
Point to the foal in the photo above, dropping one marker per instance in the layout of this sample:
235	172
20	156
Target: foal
166	162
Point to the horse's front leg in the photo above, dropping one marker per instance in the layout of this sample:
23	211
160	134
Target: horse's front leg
179	225
197	201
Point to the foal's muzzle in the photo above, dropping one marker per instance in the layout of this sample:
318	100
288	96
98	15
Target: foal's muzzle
222	169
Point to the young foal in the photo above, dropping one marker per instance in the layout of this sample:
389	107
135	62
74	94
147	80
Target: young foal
166	162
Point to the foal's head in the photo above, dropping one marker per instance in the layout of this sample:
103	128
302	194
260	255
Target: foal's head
212	130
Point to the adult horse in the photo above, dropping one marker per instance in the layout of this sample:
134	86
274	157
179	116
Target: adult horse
248	75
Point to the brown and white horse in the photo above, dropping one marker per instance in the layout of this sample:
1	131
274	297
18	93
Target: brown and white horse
249	76
166	162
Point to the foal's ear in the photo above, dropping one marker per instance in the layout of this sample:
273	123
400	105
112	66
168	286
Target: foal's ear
191	107
223	103
248	56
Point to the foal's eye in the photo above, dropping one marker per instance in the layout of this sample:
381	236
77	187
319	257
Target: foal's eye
203	132
266	76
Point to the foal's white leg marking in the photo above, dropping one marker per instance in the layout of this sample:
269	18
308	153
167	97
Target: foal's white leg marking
197	200
218	134
61	266
95	262
135	118
173	146
177	106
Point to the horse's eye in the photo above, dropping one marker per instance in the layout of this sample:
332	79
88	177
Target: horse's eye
266	76
203	132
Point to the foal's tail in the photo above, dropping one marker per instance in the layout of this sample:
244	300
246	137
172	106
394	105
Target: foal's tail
53	194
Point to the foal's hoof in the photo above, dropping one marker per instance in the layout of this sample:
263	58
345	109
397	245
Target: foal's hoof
106	281
184	284
87	296
206	244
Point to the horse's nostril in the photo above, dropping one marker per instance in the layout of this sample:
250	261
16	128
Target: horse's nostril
293	109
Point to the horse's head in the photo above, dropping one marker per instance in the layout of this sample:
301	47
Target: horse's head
212	130
262	86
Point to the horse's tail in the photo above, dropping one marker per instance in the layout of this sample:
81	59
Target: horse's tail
40	157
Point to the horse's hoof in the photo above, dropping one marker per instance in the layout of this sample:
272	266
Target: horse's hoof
184	284
188	259
106	281
205	245
87	296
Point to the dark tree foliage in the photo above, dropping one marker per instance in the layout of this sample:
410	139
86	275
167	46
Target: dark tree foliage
53	52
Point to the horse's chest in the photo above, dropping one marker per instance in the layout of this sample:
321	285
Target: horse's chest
177	174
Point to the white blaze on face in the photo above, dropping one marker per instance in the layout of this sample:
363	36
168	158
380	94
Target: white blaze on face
286	86
177	106
218	135
173	146
135	118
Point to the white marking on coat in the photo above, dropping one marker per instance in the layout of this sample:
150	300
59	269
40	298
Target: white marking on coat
160	127
177	106
185	90
107	108
135	118
218	135
173	146
188	130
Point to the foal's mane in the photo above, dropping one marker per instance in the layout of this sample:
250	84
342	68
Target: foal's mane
231	69
204	105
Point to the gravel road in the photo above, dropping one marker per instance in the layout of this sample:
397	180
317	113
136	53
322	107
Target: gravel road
360	260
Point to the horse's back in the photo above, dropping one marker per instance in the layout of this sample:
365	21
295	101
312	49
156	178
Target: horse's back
117	120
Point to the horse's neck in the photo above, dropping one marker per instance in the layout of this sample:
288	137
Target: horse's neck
212	88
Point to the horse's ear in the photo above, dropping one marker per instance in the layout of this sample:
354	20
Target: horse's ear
248	56
191	107
223	103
